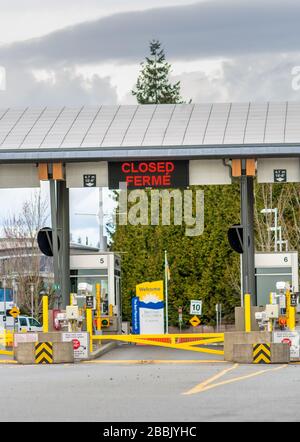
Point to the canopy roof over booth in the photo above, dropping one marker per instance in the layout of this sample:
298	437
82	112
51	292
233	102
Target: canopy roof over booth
221	130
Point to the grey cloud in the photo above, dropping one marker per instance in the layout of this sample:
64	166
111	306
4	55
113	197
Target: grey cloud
245	78
23	89
214	28
261	78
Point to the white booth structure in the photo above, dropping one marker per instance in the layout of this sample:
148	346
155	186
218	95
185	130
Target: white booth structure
103	268
273	267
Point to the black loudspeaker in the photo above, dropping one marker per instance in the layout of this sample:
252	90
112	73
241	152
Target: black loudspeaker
235	238
45	242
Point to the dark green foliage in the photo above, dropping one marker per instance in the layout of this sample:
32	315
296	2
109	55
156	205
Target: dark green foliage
153	85
201	267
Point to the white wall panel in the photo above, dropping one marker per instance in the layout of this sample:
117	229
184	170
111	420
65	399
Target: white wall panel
18	176
209	172
266	166
76	171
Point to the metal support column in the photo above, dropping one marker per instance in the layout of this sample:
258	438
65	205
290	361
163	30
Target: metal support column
251	259
64	234
56	263
247	221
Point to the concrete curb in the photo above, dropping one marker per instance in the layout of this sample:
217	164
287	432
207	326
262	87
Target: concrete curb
101	351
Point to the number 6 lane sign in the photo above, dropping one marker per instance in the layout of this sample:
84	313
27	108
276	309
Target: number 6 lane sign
196	307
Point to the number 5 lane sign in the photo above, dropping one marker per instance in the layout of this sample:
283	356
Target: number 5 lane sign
196	307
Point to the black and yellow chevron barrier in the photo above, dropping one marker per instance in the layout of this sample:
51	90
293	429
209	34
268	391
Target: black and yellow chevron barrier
261	353
43	353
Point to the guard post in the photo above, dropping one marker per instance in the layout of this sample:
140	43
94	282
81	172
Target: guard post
89	326
98	307
45	314
290	312
247	306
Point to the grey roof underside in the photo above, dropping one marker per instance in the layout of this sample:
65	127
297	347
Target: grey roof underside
182	130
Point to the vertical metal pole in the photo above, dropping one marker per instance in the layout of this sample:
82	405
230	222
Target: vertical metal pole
280	238
53	202
251	251
247	217
64	230
32	292
13	290
4	298
276	228
245	224
102	242
16	294
166	292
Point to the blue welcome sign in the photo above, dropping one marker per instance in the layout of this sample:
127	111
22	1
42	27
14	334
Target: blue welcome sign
135	315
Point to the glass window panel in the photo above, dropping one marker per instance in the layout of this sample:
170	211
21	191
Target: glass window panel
265	285
272	270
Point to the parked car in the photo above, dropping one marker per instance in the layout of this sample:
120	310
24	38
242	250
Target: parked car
29	324
23	324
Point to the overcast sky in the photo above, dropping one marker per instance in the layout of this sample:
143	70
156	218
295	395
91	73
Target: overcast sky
66	52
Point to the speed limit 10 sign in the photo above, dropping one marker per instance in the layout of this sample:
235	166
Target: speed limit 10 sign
196	307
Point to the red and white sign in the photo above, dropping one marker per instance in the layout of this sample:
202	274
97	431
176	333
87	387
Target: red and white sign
80	344
76	344
291	338
287	341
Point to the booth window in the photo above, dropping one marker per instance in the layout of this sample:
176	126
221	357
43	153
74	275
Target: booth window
90	276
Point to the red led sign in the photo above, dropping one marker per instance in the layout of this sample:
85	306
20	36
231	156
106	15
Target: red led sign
141	174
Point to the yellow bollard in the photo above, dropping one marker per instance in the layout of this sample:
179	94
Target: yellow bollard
290	312
98	307
247	304
45	314
288	307
89	326
270	327
292	318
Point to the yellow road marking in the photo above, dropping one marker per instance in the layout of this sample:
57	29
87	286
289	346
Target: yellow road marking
7	361
208	381
156	361
207	385
6	352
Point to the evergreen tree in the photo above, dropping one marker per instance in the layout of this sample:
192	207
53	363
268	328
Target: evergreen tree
153	85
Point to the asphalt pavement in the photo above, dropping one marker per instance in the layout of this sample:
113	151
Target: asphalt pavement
135	384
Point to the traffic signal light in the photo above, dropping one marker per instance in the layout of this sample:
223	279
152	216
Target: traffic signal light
105	322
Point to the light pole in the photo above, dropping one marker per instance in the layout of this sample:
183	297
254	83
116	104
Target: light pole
4	299
14	287
100	219
275	228
32	292
13	284
16	294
